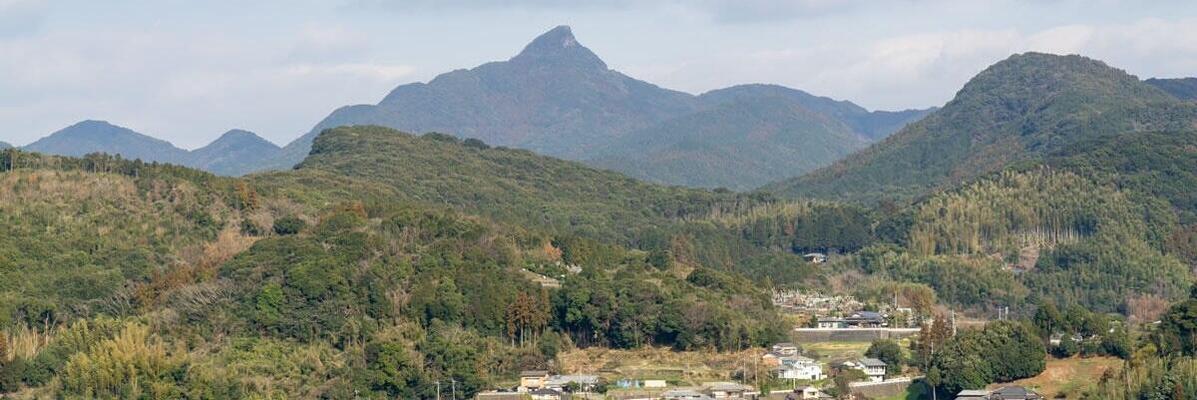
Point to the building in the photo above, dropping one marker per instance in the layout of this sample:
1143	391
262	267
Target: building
866	319
799	367
531	380
873	368
584	383
684	394
785	349
831	323
859	319
816	258
807	393
547	394
1005	393
973	395
727	390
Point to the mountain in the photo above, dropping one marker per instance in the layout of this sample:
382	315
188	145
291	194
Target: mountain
558	98
1019	109
101	137
555	97
746	136
738	144
1181	88
235	153
5	145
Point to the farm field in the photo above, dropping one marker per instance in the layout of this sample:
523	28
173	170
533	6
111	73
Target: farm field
1068	378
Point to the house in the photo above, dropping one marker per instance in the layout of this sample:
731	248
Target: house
873	368
831	323
816	258
655	383
547	394
785	349
684	394
866	319
1014	393
585	383
726	390
1005	393
799	367
807	393
973	395
530	380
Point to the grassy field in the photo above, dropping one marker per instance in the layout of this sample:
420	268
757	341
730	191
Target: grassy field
678	367
1069	378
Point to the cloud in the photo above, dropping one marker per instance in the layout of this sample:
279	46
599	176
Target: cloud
21	17
183	86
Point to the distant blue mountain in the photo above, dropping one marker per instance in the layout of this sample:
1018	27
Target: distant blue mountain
235	153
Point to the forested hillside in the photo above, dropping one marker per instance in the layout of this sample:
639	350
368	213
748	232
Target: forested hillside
1019	109
1181	88
322	285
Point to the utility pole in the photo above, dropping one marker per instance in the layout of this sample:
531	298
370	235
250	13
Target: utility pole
438	390
453	383
953	323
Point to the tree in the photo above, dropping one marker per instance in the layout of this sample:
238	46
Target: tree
931	340
889	352
1178	328
1047	319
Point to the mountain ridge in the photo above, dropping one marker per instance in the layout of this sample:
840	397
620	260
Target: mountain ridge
236	152
558	98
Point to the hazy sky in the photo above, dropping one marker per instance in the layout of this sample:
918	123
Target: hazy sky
187	71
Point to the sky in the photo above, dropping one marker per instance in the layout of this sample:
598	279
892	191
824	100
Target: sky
188	71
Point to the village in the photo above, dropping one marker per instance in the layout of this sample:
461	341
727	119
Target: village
831	356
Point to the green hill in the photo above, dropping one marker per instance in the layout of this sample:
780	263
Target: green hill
506	184
363	262
1020	109
1181	88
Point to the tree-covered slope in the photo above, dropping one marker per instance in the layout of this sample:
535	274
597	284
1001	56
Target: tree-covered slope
4	145
1019	109
508	184
1181	88
124	279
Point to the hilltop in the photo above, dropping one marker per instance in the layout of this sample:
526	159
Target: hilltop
1020	109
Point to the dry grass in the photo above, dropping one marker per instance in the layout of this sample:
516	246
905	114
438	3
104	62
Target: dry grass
1069	378
659	363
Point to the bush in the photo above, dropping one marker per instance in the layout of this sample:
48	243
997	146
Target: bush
289	225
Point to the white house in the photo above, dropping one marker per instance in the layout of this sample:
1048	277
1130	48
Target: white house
872	367
799	367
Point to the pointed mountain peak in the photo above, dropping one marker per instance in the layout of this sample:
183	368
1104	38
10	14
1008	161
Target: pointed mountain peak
558	47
